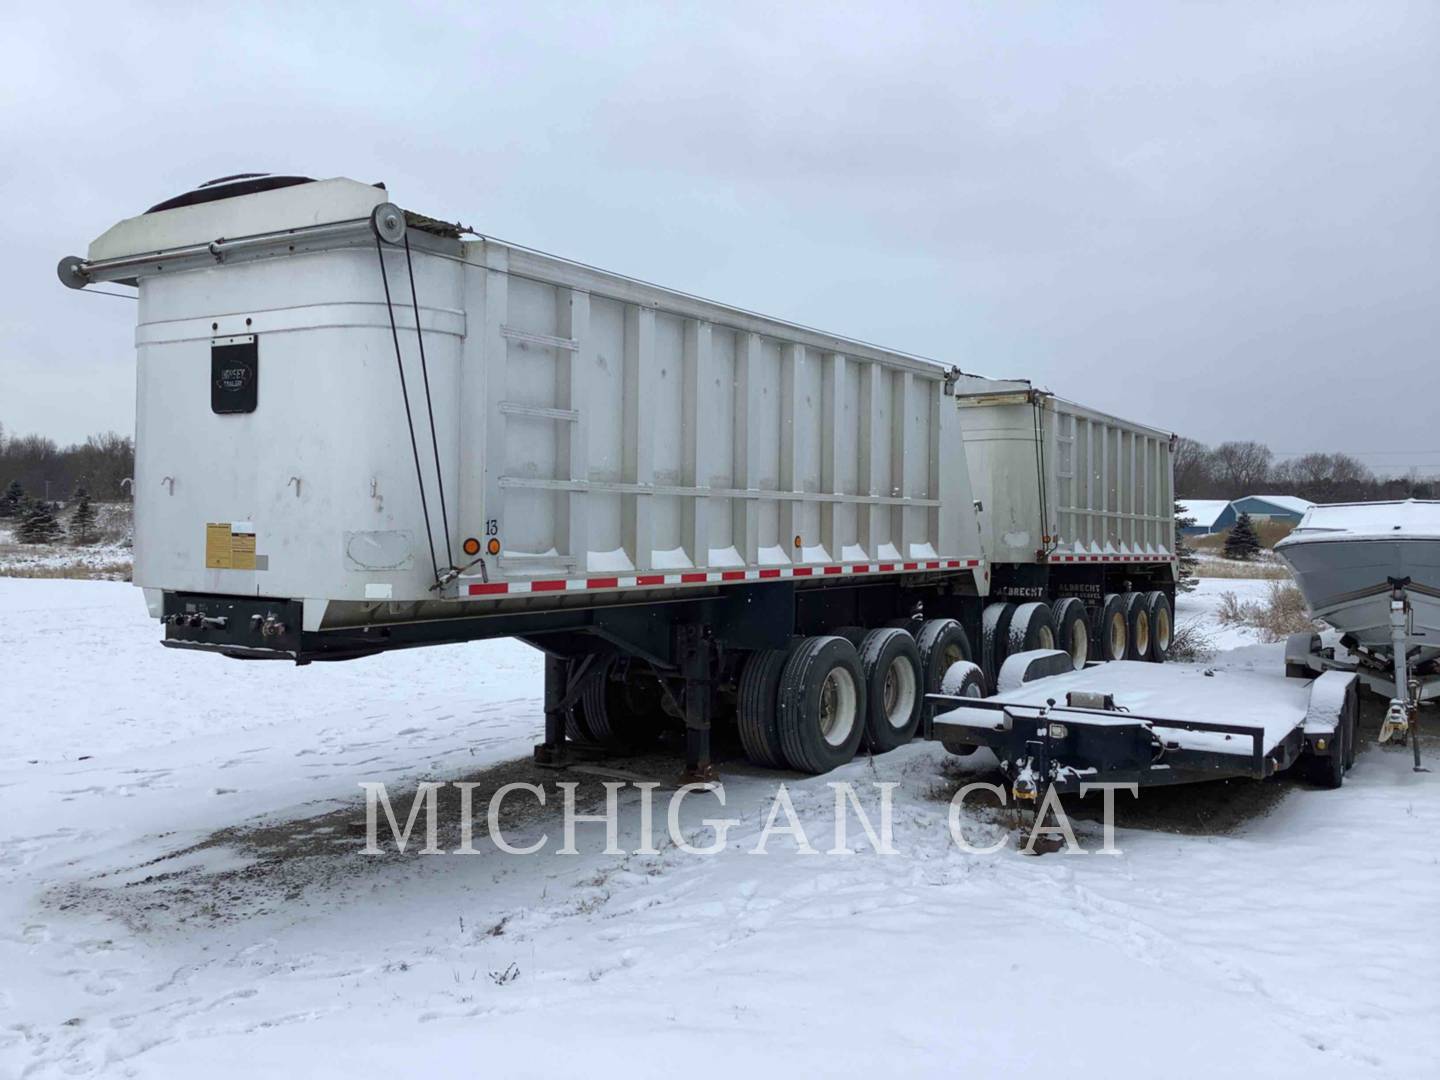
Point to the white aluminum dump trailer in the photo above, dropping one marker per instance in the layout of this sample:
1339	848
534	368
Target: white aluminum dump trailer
1077	515
359	428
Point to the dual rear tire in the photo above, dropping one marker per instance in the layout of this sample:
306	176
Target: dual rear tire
812	707
822	698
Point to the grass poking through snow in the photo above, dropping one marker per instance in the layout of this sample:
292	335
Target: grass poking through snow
1280	613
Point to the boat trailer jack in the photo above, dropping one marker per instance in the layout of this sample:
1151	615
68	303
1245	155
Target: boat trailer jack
1402	718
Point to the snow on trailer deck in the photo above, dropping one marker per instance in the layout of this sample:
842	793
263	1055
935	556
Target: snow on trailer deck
1147	724
1275	705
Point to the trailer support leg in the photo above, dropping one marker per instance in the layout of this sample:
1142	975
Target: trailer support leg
695	661
552	751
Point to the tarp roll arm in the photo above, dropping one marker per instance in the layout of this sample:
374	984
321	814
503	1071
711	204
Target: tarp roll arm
76	273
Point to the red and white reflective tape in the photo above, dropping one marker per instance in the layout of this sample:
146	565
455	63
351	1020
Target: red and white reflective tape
710	577
1111	558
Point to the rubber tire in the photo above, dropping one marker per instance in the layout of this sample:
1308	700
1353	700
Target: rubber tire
1114	606
806	749
576	728
852	634
757	709
995	638
1158	609
1071	625
1137	625
1032	627
614	714
964	679
878	652
936	639
910	626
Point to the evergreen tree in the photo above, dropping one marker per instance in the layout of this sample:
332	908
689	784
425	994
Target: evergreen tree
1185	579
12	499
38	524
1242	542
82	520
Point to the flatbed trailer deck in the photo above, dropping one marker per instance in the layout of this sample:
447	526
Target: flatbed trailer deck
1129	722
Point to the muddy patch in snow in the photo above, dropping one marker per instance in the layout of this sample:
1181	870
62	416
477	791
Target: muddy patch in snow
260	867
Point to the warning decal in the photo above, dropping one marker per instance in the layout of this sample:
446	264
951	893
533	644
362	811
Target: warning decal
229	545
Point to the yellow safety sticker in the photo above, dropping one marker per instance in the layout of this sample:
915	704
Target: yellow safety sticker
229	546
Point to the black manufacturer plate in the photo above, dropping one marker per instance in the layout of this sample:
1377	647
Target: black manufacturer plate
234	374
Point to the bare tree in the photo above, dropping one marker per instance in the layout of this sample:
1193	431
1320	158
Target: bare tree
1325	478
1241	468
1193	469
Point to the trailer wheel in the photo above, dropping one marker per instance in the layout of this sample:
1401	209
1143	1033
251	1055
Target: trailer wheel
1137	625
894	688
1032	627
1072	630
1112	630
852	634
576	730
995	636
965	680
624	713
941	642
1162	625
822	705
757	707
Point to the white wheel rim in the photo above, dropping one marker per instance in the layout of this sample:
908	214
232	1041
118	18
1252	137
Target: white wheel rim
1047	638
1117	636
898	693
837	706
1079	643
1142	634
973	690
1162	629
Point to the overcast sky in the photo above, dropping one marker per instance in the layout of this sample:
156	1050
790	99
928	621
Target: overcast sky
1222	221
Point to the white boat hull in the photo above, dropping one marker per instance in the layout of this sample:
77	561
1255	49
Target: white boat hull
1348	581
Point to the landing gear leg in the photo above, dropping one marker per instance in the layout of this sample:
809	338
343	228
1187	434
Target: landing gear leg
552	751
696	666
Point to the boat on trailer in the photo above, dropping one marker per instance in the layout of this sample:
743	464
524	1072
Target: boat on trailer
1372	571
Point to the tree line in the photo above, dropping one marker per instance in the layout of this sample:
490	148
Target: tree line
45	470
1233	470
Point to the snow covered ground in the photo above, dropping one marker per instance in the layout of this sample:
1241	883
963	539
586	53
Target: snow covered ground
181	893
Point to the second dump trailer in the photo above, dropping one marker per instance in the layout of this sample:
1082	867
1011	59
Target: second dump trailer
359	429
